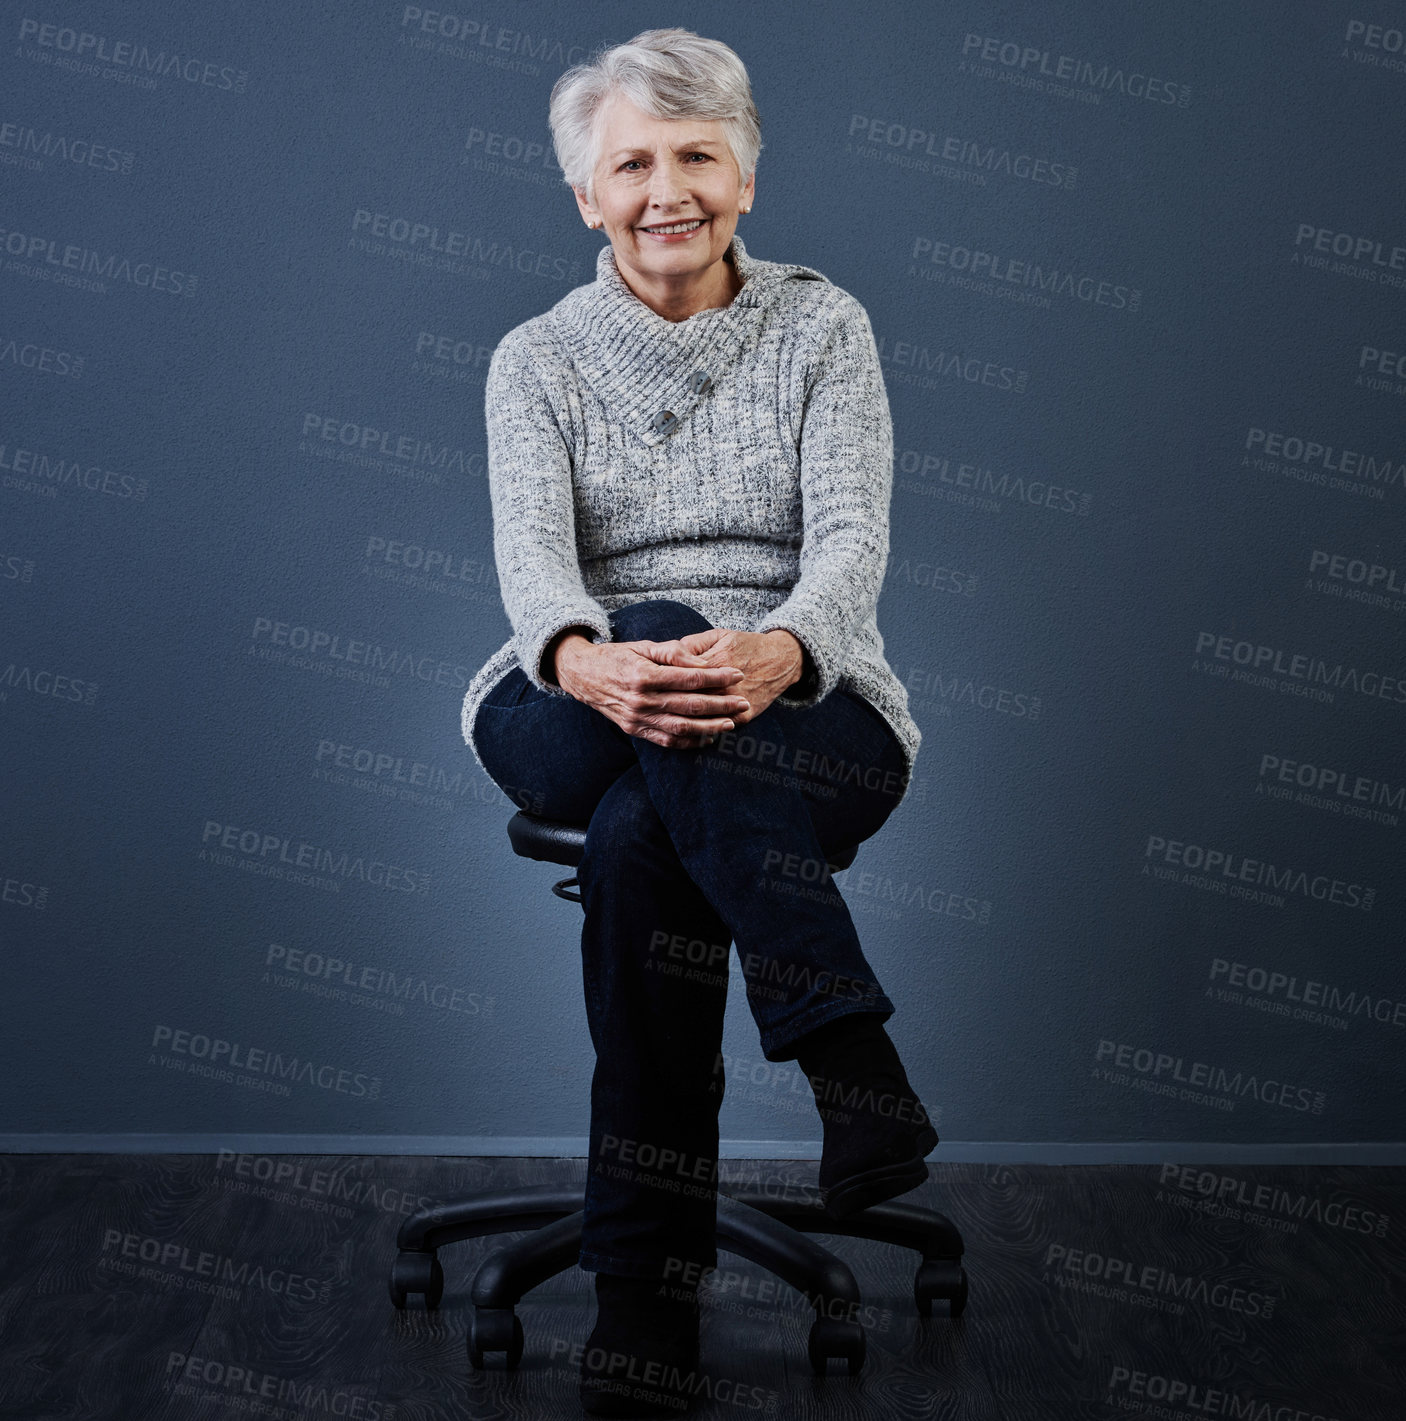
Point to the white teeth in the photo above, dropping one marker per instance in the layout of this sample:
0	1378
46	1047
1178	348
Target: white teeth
678	226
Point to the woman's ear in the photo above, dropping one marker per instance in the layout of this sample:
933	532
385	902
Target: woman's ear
588	213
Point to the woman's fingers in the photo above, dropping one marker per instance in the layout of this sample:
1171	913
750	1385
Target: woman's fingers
673	732
714	675
689	708
672	653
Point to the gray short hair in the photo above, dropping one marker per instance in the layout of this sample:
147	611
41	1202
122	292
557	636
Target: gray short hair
670	74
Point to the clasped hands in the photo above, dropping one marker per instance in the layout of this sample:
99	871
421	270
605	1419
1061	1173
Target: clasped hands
682	693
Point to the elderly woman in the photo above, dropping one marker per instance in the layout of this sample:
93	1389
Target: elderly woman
690	464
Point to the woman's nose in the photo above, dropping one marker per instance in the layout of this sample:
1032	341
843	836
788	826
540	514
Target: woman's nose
665	187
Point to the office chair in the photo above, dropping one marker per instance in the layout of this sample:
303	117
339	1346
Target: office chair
767	1231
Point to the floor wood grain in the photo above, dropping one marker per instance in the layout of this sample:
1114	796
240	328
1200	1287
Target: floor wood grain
196	1287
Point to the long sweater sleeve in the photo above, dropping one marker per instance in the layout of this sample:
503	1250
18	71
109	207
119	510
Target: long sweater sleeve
534	525
846	451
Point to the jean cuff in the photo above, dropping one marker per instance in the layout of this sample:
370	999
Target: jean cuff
779	1045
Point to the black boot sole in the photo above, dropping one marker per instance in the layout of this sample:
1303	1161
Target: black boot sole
676	1349
874	1186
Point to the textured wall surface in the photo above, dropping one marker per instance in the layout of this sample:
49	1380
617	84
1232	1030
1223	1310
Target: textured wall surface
1138	279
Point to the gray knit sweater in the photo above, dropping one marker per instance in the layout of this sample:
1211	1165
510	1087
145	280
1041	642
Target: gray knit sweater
740	461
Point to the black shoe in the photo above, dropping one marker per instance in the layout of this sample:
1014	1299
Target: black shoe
877	1133
641	1358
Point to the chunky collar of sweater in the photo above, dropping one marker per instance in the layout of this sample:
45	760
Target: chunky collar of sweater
650	371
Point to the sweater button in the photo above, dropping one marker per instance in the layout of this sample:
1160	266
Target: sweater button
665	420
701	381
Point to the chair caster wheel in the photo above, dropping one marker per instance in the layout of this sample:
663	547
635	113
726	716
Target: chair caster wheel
829	1337
417	1273
495	1330
940	1280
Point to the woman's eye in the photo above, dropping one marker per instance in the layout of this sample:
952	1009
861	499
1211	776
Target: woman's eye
629	161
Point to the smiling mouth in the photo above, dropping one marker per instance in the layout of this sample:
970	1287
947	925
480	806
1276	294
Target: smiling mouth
691	225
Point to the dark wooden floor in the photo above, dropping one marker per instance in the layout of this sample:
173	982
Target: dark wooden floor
1099	1291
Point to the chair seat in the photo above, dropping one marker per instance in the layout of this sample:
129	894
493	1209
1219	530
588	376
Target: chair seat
556	841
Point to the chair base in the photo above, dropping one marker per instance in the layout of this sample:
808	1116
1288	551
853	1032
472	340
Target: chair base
771	1232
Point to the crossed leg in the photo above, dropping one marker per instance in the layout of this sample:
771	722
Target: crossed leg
686	851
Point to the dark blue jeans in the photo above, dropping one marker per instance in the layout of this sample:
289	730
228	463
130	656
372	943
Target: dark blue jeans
687	851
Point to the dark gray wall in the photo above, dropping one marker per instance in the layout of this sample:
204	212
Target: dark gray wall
1137	274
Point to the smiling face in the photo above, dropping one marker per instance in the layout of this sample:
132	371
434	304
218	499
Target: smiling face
655	172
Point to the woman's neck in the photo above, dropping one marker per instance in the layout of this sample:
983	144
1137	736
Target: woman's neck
679	305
